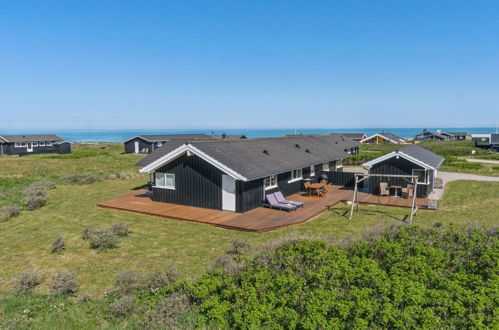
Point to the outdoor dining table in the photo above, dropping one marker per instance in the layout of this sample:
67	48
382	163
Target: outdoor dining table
396	189
316	187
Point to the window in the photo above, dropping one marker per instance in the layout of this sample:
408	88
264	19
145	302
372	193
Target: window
17	145
296	175
270	182
160	144
422	176
49	143
35	144
325	167
41	144
23	144
339	163
165	180
312	170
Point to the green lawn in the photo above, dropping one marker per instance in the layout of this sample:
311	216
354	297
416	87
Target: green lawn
157	242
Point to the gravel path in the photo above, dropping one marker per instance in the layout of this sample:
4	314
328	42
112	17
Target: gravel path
484	161
451	176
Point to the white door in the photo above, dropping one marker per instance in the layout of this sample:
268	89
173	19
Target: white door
136	147
228	193
30	147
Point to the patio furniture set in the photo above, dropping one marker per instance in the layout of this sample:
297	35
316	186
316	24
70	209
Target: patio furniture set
385	190
316	189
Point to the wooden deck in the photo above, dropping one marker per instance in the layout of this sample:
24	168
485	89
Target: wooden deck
257	220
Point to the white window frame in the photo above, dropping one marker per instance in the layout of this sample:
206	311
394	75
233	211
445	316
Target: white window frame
49	143
267	182
160	143
312	170
325	167
426	176
34	144
296	175
165	175
339	163
23	144
17	145
41	143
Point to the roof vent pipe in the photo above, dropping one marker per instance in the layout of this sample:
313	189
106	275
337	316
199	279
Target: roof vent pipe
297	145
266	151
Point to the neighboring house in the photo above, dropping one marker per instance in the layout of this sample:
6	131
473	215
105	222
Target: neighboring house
481	139
235	175
408	160
145	144
228	136
19	145
494	142
383	138
430	136
354	136
458	136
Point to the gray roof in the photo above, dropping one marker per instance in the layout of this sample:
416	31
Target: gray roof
228	136
351	135
494	138
257	158
392	136
167	137
423	155
31	138
457	133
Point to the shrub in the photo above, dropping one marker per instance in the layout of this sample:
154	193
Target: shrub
127	282
168	311
58	245
122	307
27	281
41	185
102	239
239	244
159	279
63	282
35	201
8	212
120	229
81	179
86	232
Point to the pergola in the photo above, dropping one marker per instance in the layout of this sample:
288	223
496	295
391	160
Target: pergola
359	177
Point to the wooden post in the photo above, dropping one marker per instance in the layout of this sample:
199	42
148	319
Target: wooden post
354	198
414	198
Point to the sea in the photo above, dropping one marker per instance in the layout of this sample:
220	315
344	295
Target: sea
113	135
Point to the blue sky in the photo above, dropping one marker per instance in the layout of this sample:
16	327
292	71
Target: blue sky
248	64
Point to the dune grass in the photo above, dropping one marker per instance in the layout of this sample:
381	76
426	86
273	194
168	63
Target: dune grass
154	242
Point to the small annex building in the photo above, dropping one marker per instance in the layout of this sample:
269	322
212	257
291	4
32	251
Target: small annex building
408	160
235	175
20	145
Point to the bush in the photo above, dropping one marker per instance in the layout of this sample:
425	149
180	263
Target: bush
63	282
86	232
35	201
168	312
8	212
81	179
239	245
102	239
27	281
127	282
159	279
41	185
120	229
122	307
58	245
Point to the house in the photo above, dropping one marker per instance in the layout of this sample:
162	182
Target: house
383	138
235	175
408	160
19	145
494	142
481	139
426	135
354	136
145	144
457	136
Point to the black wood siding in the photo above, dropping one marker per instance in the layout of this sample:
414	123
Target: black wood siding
249	195
63	148
11	149
399	166
197	183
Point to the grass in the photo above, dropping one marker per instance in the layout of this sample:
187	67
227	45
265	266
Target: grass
154	243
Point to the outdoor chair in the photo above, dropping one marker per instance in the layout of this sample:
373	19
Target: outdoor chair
383	189
408	192
280	198
274	204
306	185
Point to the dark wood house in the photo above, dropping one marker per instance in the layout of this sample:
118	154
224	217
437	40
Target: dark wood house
427	135
383	138
145	144
408	160
235	175
494	142
354	136
19	145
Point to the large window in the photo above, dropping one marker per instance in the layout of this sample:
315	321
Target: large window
165	180
325	167
270	182
42	143
312	170
296	175
339	163
49	143
422	176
